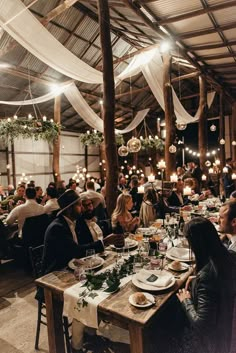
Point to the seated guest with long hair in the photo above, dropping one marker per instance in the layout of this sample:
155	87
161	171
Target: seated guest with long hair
209	305
148	211
121	215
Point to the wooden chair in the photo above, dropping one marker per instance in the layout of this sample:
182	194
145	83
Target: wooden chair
35	255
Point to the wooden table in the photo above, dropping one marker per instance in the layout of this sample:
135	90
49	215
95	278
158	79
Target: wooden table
115	308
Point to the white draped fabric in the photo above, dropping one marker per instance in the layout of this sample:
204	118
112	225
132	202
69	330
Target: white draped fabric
37	40
91	118
18	21
46	97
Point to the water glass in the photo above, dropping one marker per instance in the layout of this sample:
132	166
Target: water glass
80	273
167	218
90	253
137	264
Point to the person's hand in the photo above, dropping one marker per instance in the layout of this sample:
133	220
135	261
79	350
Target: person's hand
186	208
136	220
183	294
189	280
115	239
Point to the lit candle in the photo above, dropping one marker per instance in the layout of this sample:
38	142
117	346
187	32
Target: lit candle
141	189
162	164
151	178
174	178
44	118
234	176
211	170
225	170
187	191
204	177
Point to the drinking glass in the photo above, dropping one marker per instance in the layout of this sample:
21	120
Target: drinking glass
137	264
90	254
167	218
80	273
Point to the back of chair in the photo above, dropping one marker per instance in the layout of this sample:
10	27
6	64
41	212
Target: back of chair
34	230
36	255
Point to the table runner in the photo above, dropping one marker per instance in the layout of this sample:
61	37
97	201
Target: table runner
73	301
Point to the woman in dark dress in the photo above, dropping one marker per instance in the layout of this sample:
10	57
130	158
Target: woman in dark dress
210	298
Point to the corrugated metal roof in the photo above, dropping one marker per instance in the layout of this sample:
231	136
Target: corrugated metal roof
161	8
191	25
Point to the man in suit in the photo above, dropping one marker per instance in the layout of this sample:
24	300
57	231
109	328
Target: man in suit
227	224
64	242
227	178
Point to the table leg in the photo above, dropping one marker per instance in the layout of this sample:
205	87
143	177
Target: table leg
54	307
136	339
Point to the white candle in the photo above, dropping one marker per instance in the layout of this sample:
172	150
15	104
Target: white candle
211	170
44	118
162	164
141	189
233	176
151	178
187	191
174	178
204	177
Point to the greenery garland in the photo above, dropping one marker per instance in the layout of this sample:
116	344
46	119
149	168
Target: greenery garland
96	138
29	128
147	143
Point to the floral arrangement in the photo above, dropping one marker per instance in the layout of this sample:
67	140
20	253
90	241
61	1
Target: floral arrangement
11	129
96	138
147	143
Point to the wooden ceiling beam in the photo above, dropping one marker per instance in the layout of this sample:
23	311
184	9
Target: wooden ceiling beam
185	77
212	46
205	31
57	11
195	13
216	57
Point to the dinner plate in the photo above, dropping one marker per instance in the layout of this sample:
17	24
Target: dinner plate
184	267
150	298
145	286
74	263
179	254
129	244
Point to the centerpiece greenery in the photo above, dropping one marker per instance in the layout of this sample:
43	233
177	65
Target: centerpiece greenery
96	138
11	129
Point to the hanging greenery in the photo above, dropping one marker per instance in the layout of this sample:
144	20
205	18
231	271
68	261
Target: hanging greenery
147	143
96	138
12	129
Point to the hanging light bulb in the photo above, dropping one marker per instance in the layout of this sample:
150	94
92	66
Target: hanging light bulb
172	149
213	128
207	163
222	141
123	151
134	145
234	143
181	127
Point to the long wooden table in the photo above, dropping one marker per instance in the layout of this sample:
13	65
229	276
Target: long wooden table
115	308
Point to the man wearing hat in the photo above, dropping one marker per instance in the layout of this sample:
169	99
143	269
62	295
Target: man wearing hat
63	242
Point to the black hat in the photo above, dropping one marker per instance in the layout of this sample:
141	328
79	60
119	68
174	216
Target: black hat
69	198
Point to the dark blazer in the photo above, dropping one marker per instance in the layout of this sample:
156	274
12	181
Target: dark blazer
60	248
173	200
210	310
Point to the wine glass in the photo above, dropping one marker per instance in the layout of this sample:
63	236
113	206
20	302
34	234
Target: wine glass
90	254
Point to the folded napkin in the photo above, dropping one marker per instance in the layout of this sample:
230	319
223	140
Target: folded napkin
162	281
181	253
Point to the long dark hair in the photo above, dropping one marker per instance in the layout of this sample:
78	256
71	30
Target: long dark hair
206	245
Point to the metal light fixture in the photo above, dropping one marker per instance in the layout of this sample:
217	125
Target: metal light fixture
181	127
134	145
213	128
123	151
222	141
172	149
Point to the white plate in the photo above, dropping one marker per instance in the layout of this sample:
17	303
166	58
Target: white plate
171	255
74	263
150	298
184	267
129	244
145	286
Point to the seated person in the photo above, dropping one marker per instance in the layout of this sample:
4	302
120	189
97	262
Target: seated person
121	217
98	199
29	209
12	200
227	224
39	194
51	200
176	197
147	212
62	240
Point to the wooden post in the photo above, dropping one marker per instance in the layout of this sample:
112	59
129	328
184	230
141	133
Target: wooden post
8	169
56	143
233	130
202	125
170	120
102	158
13	164
108	106
222	129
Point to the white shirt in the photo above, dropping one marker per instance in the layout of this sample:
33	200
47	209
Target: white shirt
232	245
72	225
29	209
95	230
51	205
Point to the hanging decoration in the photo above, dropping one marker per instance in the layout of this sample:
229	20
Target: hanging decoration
37	129
123	151
150	142
134	145
181	127
207	163
234	143
222	141
172	149
96	138
213	128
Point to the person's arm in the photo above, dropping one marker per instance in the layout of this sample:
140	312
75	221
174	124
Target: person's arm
12	217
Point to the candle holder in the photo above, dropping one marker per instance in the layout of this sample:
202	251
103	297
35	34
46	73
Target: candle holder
162	166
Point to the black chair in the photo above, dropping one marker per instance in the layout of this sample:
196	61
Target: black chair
35	255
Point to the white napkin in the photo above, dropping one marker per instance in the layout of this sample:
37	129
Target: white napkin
180	253
161	281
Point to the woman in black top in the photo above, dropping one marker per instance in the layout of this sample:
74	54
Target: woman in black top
210	302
